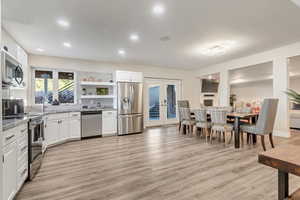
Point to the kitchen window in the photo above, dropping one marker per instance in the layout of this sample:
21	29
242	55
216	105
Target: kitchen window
50	85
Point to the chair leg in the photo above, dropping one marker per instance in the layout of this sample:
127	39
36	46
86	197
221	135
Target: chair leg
242	137
271	140
179	126
181	130
263	142
195	130
231	136
206	134
211	135
224	137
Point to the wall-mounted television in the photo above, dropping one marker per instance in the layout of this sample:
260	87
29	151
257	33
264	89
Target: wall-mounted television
209	86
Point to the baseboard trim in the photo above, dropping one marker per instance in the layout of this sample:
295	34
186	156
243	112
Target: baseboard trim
281	133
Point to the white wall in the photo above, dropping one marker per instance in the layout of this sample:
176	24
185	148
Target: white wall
189	81
252	91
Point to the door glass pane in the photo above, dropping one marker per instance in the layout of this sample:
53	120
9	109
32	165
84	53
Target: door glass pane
154	112
66	87
171	101
43	87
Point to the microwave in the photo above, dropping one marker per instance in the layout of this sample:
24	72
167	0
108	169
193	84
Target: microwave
12	72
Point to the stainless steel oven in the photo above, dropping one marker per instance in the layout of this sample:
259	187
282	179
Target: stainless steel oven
35	145
12	72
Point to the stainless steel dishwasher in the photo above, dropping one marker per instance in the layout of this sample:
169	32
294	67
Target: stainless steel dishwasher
91	124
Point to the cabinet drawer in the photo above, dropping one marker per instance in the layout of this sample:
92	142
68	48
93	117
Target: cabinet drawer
10	136
109	114
75	115
57	116
22	174
22	159
23	136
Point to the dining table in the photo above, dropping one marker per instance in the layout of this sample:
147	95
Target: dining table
286	160
238	120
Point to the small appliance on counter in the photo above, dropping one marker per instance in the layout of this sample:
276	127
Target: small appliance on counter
12	108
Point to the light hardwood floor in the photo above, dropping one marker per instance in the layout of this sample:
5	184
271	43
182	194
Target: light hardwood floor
160	164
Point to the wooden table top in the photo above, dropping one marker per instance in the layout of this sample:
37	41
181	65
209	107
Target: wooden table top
285	158
242	115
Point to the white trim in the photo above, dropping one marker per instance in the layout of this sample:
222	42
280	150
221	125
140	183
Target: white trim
279	133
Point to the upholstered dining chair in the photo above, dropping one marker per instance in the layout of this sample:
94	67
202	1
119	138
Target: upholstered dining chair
187	121
182	104
265	123
201	122
219	124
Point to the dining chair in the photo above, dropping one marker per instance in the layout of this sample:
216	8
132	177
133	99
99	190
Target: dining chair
187	121
182	104
201	122
219	124
265	122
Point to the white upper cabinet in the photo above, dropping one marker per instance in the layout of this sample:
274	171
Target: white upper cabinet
128	76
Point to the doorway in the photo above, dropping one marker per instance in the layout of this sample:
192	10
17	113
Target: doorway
161	101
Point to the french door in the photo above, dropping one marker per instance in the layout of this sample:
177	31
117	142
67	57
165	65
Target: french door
161	101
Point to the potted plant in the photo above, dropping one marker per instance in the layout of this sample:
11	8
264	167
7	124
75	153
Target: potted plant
293	96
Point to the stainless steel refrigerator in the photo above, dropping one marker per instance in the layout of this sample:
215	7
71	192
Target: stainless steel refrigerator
130	108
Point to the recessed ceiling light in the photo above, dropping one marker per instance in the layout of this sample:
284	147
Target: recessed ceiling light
40	50
216	48
158	9
63	23
134	37
67	44
121	52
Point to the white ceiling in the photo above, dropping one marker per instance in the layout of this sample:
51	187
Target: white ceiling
100	27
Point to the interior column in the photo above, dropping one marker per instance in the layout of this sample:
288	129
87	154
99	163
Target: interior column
280	85
224	88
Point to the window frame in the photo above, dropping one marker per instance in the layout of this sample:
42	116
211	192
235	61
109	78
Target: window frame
55	84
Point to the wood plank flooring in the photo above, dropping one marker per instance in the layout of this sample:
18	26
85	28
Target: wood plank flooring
160	164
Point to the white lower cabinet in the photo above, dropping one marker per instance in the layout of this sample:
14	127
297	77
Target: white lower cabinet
62	127
10	171
51	132
15	160
109	123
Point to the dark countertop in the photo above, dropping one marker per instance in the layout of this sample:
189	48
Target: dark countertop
11	123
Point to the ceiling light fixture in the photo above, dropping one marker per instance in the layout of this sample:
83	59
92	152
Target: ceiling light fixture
158	9
121	52
40	50
63	23
217	48
67	44
134	37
